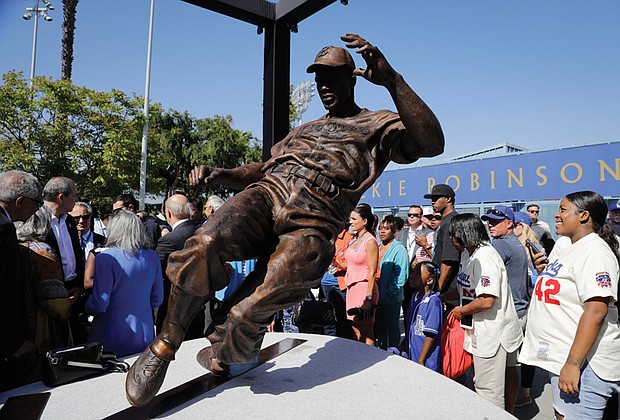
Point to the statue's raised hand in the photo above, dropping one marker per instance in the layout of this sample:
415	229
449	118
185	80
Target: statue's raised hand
378	70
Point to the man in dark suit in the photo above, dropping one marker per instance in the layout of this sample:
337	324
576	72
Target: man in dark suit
89	240
178	216
410	238
60	194
20	198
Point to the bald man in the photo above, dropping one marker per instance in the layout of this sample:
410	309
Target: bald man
178	210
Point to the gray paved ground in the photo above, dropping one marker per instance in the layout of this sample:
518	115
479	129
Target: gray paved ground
541	407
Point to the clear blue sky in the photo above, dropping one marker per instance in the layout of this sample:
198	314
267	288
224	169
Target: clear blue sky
537	73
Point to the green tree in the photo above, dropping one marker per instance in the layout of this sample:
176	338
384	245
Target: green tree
185	142
58	129
17	148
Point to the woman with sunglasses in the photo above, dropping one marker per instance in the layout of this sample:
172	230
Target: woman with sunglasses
573	330
494	334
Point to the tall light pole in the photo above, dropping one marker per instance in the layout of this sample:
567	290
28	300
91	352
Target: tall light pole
145	128
36	11
301	97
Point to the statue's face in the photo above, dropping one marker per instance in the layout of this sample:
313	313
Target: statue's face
335	87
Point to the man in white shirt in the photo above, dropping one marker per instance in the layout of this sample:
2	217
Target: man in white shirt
410	238
60	194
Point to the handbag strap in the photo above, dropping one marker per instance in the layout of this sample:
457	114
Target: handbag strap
116	366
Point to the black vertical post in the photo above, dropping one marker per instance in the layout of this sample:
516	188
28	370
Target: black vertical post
277	79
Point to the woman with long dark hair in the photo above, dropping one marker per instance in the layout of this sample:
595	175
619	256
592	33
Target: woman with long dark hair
573	330
361	260
494	333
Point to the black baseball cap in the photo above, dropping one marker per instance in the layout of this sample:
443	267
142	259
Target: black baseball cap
441	190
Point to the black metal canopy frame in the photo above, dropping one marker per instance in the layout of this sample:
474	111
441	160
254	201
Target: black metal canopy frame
277	19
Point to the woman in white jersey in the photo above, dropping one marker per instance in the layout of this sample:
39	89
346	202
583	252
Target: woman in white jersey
495	333
572	329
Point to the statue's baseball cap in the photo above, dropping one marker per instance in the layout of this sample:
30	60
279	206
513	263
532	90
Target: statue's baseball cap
332	57
499	213
441	190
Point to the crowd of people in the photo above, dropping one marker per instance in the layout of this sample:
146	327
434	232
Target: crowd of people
522	299
71	278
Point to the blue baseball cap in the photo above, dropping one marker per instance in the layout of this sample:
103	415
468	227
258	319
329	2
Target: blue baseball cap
614	207
523	217
499	213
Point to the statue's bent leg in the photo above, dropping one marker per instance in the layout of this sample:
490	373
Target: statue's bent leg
298	263
196	272
146	375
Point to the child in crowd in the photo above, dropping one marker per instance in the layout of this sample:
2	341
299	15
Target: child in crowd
424	317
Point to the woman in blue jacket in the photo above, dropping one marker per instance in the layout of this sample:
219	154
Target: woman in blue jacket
128	285
392	274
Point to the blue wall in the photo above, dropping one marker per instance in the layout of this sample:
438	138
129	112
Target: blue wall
528	176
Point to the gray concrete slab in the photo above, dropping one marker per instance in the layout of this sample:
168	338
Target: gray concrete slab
325	376
542	402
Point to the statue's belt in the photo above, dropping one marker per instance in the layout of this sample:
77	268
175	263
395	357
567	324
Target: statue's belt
320	182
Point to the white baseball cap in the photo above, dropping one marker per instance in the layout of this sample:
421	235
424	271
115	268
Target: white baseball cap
427	211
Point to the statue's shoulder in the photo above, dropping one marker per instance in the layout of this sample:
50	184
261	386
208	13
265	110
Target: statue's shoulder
382	117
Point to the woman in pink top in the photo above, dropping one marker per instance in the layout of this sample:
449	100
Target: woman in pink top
362	259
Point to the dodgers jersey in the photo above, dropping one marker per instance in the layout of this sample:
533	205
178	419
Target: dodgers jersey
576	272
484	273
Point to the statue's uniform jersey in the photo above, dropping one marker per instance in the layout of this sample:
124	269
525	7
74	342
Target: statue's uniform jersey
349	152
576	272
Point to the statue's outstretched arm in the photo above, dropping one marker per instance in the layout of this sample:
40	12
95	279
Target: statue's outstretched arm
236	178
